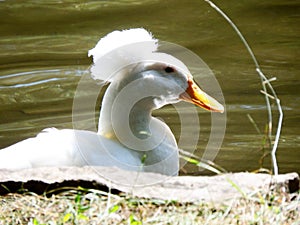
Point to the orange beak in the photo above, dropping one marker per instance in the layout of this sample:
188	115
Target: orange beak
195	95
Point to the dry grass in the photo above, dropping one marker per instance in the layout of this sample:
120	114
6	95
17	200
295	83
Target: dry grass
79	206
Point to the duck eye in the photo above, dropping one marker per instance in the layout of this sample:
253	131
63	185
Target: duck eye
169	69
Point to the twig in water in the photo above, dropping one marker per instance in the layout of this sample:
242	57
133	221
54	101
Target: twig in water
265	83
253	122
205	164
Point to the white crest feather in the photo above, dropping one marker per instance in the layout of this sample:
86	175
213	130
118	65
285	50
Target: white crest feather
118	49
118	39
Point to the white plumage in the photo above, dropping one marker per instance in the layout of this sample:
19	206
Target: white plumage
142	80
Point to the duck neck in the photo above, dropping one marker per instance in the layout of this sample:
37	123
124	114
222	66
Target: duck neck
115	111
140	118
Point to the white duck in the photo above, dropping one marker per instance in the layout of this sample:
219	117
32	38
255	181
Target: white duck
142	80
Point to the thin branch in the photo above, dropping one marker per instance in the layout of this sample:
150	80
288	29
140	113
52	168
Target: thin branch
253	122
267	94
265	83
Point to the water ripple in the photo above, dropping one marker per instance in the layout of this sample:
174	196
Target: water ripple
28	73
37	77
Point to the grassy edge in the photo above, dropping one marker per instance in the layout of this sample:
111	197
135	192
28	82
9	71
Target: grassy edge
90	206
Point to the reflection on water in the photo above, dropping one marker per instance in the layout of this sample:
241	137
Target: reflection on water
43	54
9	77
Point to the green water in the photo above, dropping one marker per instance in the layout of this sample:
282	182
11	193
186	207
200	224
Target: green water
43	55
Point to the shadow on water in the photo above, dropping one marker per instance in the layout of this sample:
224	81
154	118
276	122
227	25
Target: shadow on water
43	54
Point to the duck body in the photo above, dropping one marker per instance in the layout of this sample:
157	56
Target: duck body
68	147
128	136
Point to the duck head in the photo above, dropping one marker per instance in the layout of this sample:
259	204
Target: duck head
164	83
141	79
